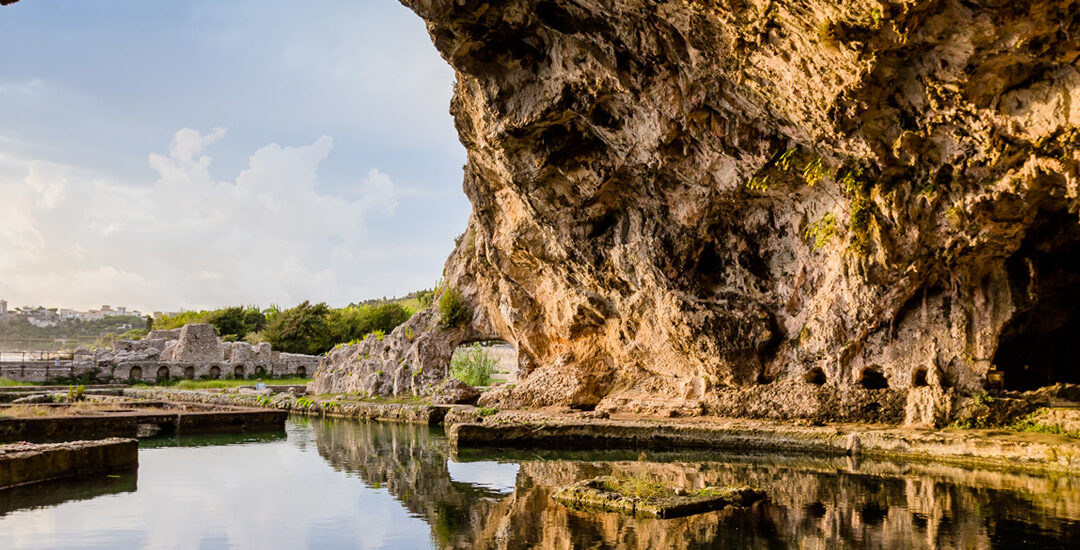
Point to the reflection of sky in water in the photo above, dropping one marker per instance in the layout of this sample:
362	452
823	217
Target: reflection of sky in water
498	476
267	495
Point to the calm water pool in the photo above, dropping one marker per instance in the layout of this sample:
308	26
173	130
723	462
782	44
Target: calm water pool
342	484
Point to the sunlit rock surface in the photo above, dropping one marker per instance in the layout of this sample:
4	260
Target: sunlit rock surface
773	209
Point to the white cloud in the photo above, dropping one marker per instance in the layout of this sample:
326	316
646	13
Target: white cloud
74	238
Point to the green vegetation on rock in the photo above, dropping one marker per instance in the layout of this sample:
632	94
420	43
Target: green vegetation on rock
451	307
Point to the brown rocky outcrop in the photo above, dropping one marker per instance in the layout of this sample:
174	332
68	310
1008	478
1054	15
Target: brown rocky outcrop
768	208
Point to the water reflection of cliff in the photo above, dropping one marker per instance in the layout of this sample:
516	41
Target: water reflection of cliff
813	503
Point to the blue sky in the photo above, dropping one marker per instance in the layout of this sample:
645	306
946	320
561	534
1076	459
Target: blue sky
168	155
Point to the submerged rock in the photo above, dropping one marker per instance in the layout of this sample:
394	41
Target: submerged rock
606	494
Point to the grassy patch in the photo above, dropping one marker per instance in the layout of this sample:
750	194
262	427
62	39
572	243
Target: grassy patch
7	382
222	384
637	487
1031	425
74	409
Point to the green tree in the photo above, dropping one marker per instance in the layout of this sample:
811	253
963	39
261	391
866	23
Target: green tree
228	321
302	329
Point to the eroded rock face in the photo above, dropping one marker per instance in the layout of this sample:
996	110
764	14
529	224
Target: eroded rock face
686	205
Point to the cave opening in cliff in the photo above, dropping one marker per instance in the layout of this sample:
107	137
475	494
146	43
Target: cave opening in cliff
872	379
1040	345
485	362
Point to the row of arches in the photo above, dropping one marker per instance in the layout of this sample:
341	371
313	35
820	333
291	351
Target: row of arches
214	373
870	378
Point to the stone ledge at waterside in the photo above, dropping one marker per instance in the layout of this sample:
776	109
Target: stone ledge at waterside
25	463
994	449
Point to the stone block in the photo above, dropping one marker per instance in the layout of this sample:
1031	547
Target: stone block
198	344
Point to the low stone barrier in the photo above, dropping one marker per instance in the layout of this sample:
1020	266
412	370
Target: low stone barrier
993	449
21	464
178	420
418	413
68	428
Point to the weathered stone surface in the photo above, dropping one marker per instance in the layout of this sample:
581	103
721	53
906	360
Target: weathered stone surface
673	201
241	353
169	353
413	359
173	334
291	363
21	464
198	344
454	392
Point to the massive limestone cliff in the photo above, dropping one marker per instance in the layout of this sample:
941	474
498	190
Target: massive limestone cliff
789	208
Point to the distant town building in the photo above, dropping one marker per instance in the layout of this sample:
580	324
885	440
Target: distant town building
43	317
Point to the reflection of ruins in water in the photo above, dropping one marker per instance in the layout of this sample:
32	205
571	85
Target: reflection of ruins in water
813	502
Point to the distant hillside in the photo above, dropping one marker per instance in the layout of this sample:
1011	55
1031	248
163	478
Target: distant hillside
19	335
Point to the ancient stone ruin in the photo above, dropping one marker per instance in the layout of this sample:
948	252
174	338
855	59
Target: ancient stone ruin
861	210
192	352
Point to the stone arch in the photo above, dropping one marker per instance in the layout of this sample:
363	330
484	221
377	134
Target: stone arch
215	372
260	371
135	373
239	371
301	372
189	373
163	373
503	354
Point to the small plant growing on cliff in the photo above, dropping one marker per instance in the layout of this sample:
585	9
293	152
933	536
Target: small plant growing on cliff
758	183
819	233
785	160
473	365
852	181
451	307
814	172
862	214
486	411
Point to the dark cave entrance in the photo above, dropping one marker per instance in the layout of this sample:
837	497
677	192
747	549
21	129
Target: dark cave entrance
1040	346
